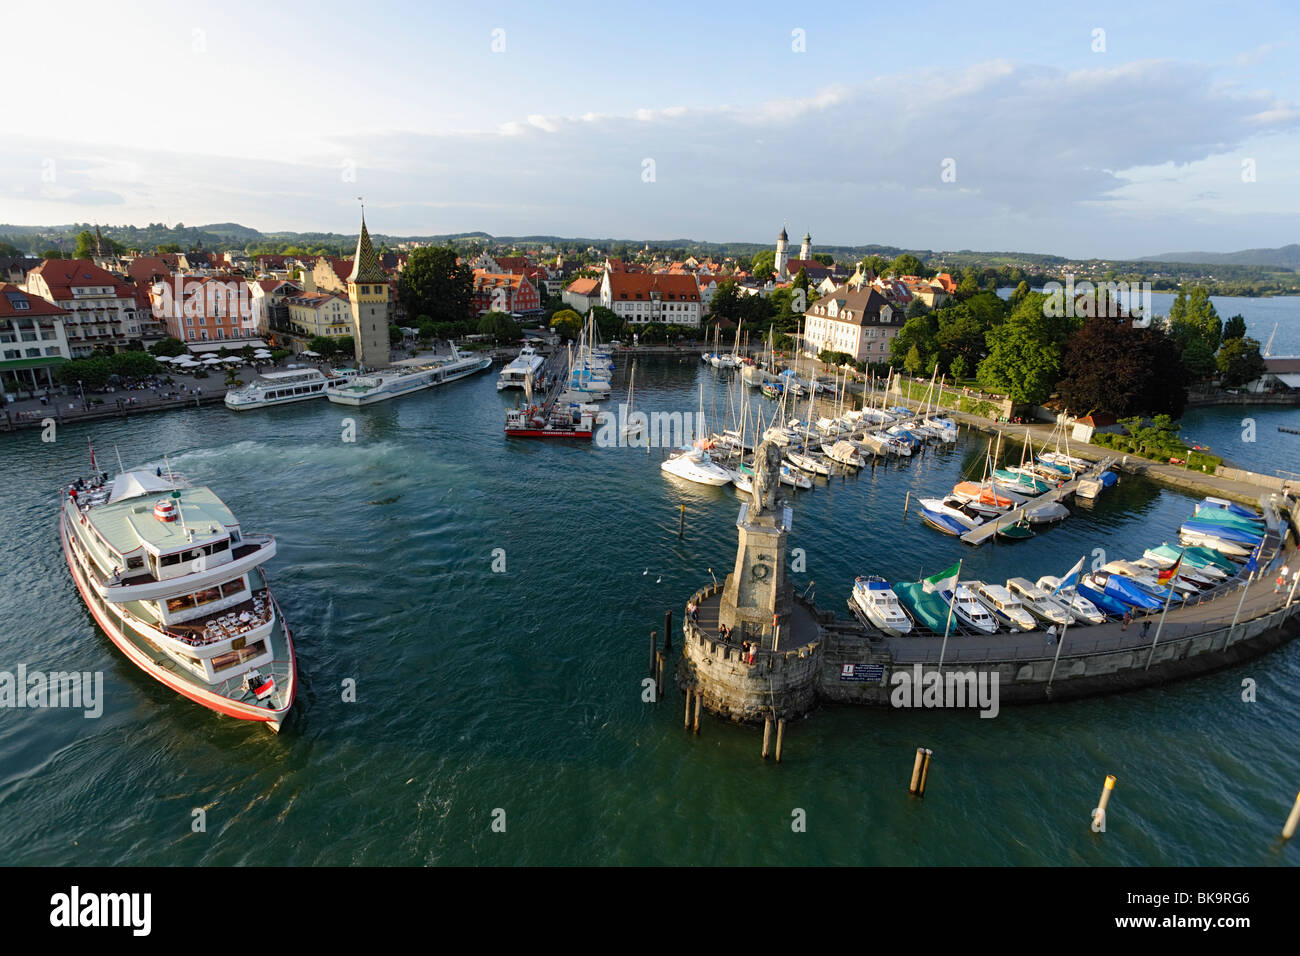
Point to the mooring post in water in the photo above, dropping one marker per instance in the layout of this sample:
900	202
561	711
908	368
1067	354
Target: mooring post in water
780	735
767	734
914	787
668	631
681	522
659	680
654	649
1288	831
1100	812
686	723
698	696
907	503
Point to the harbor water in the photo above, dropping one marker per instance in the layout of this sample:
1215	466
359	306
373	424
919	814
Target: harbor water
492	601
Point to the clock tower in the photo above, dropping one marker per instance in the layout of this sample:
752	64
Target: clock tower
368	294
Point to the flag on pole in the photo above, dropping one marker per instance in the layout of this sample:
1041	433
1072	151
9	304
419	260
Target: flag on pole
94	466
1171	572
1071	579
1253	564
945	580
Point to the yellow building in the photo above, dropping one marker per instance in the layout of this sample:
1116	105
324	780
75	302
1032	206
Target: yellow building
319	313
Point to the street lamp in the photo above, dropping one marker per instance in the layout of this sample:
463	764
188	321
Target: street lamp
83	395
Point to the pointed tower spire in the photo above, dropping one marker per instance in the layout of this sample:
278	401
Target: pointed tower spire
365	264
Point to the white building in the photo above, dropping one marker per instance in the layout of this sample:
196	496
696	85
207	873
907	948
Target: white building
641	298
859	322
102	309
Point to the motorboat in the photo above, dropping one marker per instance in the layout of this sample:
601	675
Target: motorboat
1004	606
969	610
694	464
1038	602
876	601
1079	606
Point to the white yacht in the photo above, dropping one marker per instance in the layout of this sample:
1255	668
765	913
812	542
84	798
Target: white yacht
694	464
966	607
1076	605
1005	606
167	572
1038	602
403	377
282	388
876	601
527	363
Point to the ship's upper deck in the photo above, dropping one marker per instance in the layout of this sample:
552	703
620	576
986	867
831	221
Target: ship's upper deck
125	518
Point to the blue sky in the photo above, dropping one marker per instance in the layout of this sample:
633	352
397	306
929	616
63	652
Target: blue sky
1182	133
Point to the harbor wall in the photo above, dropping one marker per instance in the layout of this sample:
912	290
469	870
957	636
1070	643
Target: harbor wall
1076	675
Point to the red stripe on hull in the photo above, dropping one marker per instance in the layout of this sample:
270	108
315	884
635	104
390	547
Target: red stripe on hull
542	433
221	705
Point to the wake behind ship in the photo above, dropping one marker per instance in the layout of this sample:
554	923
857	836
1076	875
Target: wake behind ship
166	571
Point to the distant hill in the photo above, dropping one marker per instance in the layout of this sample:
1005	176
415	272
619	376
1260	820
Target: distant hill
1286	257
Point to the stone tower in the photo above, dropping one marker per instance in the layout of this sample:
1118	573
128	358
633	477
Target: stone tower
805	251
757	595
368	293
782	255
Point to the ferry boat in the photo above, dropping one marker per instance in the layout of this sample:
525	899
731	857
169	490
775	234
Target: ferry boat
407	376
514	375
561	421
282	388
166	571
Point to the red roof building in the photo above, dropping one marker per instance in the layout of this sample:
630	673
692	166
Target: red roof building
641	298
102	308
503	292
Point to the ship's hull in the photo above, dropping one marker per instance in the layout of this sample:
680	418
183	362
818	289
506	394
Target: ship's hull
116	629
548	433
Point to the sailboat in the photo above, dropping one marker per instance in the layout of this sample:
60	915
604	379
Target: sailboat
634	425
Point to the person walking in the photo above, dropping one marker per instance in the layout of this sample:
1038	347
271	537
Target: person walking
1146	627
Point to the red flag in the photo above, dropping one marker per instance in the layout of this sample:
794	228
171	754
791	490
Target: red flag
1170	573
93	467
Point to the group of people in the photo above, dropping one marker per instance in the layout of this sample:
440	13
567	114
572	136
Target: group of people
1283	575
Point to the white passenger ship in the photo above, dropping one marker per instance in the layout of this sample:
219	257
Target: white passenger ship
410	375
516	373
166	571
281	388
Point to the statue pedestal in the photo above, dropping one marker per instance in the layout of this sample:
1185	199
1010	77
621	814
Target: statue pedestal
757	594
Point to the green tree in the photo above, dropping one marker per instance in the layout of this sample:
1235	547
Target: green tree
345	345
1018	296
1193	316
801	281
1199	360
1239	362
567	323
433	284
85	245
914	362
920	333
500	326
51	254
825	258
395	335
726	300
1234	328
914	308
323	345
608	322
957	368
133	365
764	265
169	347
907	265
876	265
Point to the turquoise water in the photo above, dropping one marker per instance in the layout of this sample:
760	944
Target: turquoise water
521	690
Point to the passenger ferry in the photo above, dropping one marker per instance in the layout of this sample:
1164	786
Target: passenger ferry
410	375
516	373
281	388
165	569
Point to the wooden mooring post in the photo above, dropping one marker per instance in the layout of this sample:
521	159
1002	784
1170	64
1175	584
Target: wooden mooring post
654	650
686	723
767	735
668	631
780	736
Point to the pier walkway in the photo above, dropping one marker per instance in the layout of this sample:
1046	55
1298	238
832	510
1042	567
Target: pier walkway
982	533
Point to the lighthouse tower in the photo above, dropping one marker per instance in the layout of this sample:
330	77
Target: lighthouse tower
368	294
782	255
805	251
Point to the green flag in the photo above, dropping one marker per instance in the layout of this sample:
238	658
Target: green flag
945	580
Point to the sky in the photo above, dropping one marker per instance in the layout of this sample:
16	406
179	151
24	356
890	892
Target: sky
1115	131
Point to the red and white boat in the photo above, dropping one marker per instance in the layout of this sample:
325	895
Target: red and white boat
167	572
560	421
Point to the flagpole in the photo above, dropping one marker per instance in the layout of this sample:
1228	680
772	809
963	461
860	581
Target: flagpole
1060	641
948	626
1168	597
1251	567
